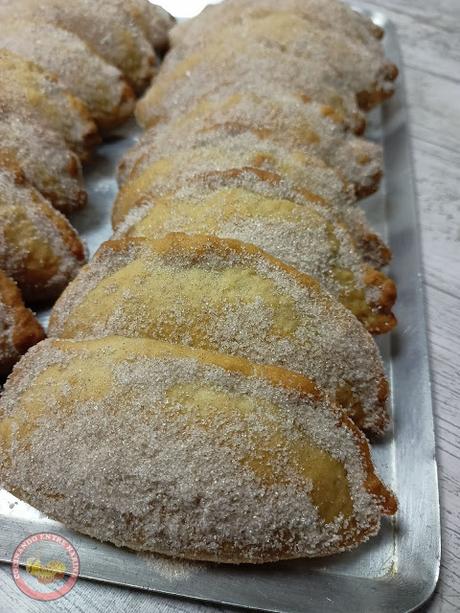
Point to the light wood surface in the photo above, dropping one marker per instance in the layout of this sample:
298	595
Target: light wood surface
430	36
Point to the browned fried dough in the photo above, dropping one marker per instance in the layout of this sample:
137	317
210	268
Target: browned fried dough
19	329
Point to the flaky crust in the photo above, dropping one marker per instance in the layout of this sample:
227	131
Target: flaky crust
19	329
181	289
147	463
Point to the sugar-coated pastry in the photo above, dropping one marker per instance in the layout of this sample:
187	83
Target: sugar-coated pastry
154	20
250	68
85	74
39	248
333	15
19	328
227	296
297	235
106	26
361	67
45	159
288	121
187	453
168	181
26	88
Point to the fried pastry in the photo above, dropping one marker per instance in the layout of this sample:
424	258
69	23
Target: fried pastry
223	295
106	26
45	159
26	88
19	329
361	67
161	167
331	14
165	180
297	235
186	453
39	249
249	68
154	20
290	122
85	74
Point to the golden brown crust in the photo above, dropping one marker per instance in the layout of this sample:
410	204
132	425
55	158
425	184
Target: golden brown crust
19	327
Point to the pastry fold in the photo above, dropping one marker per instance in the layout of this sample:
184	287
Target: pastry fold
227	296
297	235
39	248
19	328
188	453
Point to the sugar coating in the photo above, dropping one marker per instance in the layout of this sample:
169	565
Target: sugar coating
286	120
45	159
25	87
333	15
35	239
178	87
98	84
360	67
106	26
142	469
186	299
297	235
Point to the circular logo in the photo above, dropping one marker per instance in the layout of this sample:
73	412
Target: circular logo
45	566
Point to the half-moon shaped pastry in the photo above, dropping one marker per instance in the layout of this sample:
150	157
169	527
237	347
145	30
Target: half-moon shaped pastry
223	295
27	89
85	74
45	159
286	120
180	85
19	329
164	178
158	170
333	15
187	453
155	22
39	248
106	26
297	235
361	67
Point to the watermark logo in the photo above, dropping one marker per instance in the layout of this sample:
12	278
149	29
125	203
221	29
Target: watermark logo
45	566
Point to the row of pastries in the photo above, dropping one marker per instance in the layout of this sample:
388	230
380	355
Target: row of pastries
211	379
68	72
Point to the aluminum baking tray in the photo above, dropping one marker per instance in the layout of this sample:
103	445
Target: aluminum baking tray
396	571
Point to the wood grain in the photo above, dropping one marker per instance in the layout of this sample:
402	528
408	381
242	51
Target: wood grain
430	38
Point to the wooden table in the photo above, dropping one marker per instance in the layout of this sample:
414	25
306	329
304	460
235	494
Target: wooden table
429	31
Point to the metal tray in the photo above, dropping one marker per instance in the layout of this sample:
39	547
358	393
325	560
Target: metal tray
396	571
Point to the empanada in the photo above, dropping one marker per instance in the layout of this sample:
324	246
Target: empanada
187	453
361	67
286	120
106	26
251	68
225	296
39	248
27	89
269	184
333	15
19	329
297	235
154	20
44	158
85	74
